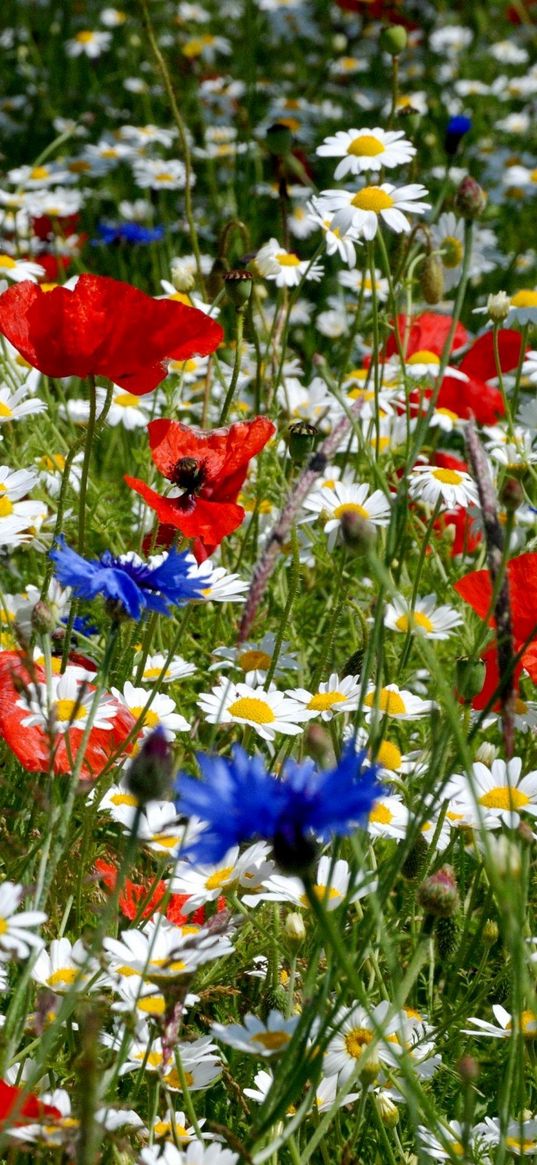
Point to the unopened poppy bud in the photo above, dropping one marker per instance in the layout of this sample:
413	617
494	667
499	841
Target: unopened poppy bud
456	129
279	139
44	618
498	306
438	894
358	534
301	439
505	856
148	777
432	279
469	677
387	1110
294	928
393	39
491	932
470	199
238	285
468	1069
486	753
318	743
511	494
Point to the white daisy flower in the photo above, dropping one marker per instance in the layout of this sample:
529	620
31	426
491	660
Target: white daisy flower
354	1036
88	43
422	618
366	149
503	1028
65	704
334	883
16	938
388	817
159	173
200	1065
219	585
196	1154
523	308
454	1136
495	796
519	1137
63	965
395	702
161	831
51	467
174	1129
430	484
269	712
362	211
284	267
133	412
335	504
17	270
161	712
177	669
341	243
262	1038
333	696
255	659
529	367
206	883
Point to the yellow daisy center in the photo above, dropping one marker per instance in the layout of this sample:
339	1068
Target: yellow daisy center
52	462
85	37
124	799
152	1004
164	176
3	926
520	1146
323	701
388	702
356	1040
424	356
79	166
447	476
323	893
7	262
524	298
365	146
372	198
380	814
271	1041
389	756
350	508
127	400
164	1128
452	252
64	977
150	718
414	619
68	710
286	259
448	413
250	660
219	878
5	410
251	708
39	172
504	797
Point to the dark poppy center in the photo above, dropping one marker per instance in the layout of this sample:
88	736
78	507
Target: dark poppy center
189	474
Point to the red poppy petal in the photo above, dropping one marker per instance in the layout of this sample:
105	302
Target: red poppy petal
471	397
480	362
209	520
475	588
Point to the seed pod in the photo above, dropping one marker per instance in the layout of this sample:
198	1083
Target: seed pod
301	439
432	279
238	285
393	39
469	677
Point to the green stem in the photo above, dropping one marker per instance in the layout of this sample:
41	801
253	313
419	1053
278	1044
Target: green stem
236	368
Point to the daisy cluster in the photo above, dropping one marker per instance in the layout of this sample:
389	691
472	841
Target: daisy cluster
268	582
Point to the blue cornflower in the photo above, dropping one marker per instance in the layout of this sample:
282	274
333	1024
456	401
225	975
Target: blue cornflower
136	585
456	129
239	801
128	232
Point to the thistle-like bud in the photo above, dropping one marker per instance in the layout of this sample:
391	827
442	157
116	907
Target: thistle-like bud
274	999
469	677
498	306
44	618
358	534
279	139
393	39
148	777
438	894
511	494
415	860
447	935
432	279
318	744
294	928
470	199
301	440
238	285
468	1069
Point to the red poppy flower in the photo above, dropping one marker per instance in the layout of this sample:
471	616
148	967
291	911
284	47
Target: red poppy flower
134	893
31	742
103	327
428	333
29	1108
210	468
476	589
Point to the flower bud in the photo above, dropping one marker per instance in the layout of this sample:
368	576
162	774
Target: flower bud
358	534
387	1110
294	928
393	39
274	999
468	1069
505	856
415	860
498	306
470	199
438	894
490	933
318	744
301	440
44	618
432	279
447	935
486	753
238	285
511	494
370	1070
182	274
148	777
469	677
279	139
